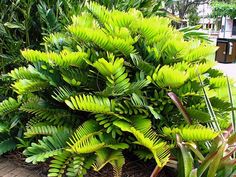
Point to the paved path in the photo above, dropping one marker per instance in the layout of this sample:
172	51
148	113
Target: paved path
9	169
229	69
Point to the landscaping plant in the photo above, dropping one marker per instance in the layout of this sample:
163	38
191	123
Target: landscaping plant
105	87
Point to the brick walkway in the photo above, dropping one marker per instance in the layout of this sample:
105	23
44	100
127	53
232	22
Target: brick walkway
9	169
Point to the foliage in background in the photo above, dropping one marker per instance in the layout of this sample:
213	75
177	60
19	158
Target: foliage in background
99	90
23	24
222	9
184	8
193	17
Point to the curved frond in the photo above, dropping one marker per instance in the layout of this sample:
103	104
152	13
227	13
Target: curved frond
196	70
44	130
29	73
45	111
149	139
114	71
6	145
199	52
90	103
218	82
126	107
107	122
144	66
192	133
79	165
85	139
47	147
9	105
70	165
114	157
23	86
64	59
155	28
117	40
62	93
167	76
58	166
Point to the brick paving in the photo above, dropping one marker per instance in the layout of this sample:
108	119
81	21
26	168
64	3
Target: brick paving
9	169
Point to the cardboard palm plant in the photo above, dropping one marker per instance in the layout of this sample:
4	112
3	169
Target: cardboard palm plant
100	90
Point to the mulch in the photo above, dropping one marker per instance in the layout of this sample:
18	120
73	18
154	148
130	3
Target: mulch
132	168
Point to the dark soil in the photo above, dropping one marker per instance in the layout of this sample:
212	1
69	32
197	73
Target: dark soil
132	168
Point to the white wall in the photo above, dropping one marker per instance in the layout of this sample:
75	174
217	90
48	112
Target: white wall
229	27
204	10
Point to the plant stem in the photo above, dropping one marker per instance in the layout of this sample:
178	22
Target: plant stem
180	106
215	123
232	105
156	171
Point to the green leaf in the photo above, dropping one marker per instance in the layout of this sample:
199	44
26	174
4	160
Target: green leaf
216	161
7	145
187	157
14	25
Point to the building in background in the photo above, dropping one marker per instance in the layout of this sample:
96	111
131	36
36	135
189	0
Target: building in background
208	23
223	27
228	28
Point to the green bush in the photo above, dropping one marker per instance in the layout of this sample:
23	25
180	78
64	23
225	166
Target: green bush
102	87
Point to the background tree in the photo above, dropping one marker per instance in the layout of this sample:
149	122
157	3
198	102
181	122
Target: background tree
193	17
183	7
222	9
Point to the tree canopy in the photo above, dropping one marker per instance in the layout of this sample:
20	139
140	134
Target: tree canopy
220	9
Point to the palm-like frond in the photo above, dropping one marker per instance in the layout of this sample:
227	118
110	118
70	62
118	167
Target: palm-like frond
58	165
126	107
64	59
218	82
114	157
200	52
34	55
168	76
135	86
144	66
85	139
26	86
120	40
90	103
114	71
201	68
107	122
45	111
44	130
98	11
192	32
154	28
192	133
6	145
70	165
9	105
67	58
149	139
47	147
62	93
29	73
79	165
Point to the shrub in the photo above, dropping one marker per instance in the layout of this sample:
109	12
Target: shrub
101	88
